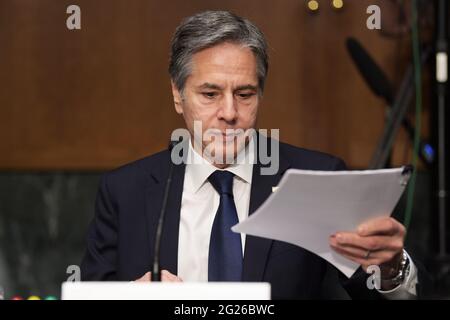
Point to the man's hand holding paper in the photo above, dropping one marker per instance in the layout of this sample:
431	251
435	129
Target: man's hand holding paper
378	241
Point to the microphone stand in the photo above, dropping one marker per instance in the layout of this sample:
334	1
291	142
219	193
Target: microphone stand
396	116
156	269
441	51
442	259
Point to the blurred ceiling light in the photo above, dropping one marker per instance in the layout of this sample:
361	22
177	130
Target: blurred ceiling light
313	5
337	4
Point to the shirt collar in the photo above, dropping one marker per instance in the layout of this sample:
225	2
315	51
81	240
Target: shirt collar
199	169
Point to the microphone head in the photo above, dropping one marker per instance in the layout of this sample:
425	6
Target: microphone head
370	71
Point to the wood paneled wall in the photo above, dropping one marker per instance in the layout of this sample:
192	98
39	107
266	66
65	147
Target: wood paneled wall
99	97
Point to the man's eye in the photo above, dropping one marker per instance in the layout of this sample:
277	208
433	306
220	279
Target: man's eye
209	94
245	95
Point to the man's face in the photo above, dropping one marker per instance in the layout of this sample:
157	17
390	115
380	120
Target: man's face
222	93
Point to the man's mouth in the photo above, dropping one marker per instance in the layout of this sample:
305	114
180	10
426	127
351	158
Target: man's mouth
228	137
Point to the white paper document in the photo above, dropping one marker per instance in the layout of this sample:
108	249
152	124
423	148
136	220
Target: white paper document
309	206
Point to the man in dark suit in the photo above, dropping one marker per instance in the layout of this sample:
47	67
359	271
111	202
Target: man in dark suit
218	68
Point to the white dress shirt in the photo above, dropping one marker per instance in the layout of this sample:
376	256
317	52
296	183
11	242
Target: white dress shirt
199	204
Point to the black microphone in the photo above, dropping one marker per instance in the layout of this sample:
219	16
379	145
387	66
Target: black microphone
156	271
370	71
378	82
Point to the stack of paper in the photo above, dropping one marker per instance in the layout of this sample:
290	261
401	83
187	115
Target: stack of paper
309	206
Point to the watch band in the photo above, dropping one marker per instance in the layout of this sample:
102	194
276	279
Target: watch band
402	273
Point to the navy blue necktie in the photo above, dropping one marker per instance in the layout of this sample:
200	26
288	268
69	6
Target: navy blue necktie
225	249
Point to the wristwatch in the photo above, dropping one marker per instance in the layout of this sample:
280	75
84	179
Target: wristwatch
402	272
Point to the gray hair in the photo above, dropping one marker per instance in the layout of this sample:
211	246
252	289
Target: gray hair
210	28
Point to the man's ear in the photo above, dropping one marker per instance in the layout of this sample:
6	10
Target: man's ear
176	98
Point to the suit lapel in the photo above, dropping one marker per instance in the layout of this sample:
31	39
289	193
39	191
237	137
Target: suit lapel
257	249
154	197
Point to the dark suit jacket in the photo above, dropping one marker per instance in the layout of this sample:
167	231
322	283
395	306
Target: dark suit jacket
121	237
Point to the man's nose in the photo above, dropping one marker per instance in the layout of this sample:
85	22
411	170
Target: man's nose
228	109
